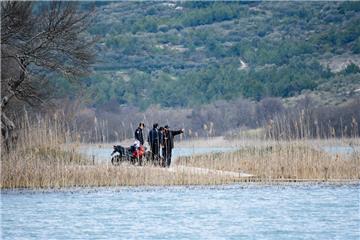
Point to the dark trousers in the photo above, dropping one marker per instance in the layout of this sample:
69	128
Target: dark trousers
155	149
167	156
163	160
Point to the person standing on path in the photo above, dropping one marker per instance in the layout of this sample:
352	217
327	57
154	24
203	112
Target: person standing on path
154	142
139	133
162	156
168	142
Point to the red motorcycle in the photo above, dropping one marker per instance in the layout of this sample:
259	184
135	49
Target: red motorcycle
131	154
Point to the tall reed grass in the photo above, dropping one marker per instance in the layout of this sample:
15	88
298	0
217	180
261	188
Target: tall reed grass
46	156
284	160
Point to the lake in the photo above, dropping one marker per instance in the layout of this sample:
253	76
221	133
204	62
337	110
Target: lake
103	154
242	211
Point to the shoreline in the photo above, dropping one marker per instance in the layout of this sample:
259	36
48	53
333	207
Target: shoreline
241	184
261	161
221	141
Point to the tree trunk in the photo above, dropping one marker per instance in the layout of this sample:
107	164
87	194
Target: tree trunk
7	131
7	125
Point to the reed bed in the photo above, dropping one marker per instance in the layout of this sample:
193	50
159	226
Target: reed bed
56	168
35	174
46	156
40	160
284	160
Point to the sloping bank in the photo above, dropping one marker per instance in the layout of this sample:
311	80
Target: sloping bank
49	166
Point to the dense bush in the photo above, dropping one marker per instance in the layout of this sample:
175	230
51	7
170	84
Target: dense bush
309	121
304	120
194	53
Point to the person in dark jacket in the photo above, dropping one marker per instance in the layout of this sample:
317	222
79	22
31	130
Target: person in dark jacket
161	137
139	133
168	142
154	142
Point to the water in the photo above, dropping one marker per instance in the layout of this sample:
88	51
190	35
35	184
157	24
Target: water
293	211
103	154
338	149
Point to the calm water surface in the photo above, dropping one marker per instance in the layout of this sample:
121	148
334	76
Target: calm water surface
104	154
292	211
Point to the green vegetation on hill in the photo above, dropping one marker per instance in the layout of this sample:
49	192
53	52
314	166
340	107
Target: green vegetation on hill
192	53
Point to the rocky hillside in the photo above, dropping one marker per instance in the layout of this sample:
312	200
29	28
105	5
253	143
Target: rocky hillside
180	54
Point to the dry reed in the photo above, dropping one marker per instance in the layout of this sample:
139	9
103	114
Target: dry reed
284	160
35	174
40	160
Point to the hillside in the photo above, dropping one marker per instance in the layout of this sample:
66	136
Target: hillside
181	54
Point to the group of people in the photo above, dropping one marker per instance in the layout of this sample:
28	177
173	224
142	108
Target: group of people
159	138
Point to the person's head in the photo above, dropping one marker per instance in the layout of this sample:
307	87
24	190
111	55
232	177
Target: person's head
141	125
161	129
166	128
155	125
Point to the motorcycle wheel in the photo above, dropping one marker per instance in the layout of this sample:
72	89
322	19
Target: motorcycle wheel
116	160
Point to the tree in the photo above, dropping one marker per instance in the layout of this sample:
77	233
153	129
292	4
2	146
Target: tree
39	39
352	68
268	108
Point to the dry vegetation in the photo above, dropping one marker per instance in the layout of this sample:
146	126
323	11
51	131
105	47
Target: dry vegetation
35	174
284	160
41	161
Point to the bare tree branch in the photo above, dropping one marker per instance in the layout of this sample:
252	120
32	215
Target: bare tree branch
50	40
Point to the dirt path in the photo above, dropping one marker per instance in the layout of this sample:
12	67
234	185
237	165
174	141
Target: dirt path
207	171
193	170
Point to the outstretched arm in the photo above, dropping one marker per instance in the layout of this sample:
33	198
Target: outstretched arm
174	133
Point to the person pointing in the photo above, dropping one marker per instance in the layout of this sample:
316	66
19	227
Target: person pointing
168	142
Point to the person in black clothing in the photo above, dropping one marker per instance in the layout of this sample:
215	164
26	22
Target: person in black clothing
139	133
168	142
161	137
154	142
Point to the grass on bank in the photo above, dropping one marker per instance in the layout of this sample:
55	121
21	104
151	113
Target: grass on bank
283	160
39	161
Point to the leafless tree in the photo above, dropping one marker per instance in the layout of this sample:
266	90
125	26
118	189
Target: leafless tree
267	108
36	42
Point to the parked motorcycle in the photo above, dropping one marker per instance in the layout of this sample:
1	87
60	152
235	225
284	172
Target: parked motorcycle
134	155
